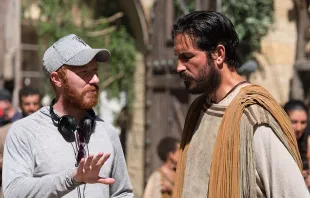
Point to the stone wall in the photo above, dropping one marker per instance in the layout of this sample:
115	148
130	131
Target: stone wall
278	53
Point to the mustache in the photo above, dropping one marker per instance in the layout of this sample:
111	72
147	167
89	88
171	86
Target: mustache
185	76
92	88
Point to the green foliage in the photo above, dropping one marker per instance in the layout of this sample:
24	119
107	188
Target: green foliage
251	18
57	19
178	11
122	48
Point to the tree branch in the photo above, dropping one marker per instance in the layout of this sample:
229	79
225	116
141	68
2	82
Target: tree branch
102	32
111	79
104	20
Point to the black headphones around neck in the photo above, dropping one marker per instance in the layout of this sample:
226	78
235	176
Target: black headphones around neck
67	124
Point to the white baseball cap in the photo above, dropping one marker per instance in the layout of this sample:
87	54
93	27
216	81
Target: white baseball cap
73	51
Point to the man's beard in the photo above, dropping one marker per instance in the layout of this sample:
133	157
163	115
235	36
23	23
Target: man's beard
80	100
25	114
203	83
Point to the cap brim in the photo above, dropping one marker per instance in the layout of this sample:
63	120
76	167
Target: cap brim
85	56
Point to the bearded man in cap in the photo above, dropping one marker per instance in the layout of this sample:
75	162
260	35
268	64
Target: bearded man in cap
65	150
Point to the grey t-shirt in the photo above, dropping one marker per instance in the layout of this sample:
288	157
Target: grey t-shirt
39	162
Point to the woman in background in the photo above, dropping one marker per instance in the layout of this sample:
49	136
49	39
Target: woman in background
298	113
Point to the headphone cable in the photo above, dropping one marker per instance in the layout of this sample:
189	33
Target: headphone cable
76	165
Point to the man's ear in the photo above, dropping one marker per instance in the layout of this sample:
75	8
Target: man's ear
219	54
55	78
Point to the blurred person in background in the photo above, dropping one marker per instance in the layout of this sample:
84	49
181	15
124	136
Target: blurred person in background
298	112
10	113
29	100
160	183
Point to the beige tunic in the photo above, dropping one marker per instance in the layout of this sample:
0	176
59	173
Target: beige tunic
153	188
275	167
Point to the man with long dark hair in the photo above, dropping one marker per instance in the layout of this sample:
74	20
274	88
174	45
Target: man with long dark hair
237	140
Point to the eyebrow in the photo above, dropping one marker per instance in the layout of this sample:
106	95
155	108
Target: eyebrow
184	53
78	68
85	67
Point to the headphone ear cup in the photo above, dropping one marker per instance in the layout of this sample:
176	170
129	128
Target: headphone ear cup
87	126
67	124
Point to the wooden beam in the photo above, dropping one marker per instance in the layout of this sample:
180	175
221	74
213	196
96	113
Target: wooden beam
166	81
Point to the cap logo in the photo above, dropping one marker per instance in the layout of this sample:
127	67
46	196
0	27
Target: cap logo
79	40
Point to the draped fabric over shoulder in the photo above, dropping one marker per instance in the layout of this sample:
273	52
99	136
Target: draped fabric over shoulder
226	179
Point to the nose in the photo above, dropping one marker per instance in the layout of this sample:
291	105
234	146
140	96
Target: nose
298	127
180	66
94	80
32	106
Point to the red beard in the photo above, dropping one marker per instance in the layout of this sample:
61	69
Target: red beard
85	100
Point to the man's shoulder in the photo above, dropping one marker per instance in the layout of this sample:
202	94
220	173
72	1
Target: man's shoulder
29	124
155	176
258	115
104	127
31	120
